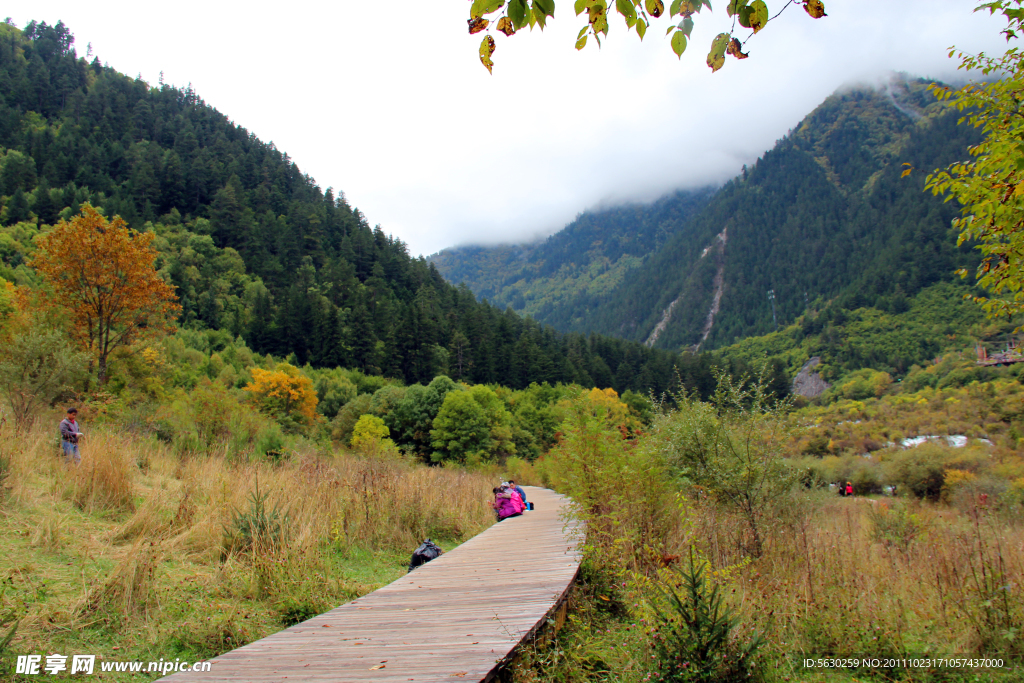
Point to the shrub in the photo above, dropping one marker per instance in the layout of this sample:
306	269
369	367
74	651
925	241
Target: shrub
817	446
259	529
862	384
218	633
919	470
694	635
295	611
371	435
270	442
895	527
333	390
38	364
345	421
732	448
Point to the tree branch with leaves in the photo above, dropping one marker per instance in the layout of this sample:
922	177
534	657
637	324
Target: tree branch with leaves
639	15
990	185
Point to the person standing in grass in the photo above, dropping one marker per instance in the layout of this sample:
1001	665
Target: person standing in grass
849	489
69	436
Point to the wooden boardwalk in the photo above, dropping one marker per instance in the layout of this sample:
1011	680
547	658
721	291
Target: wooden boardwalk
452	619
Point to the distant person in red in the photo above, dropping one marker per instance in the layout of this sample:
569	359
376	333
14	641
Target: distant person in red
69	436
849	489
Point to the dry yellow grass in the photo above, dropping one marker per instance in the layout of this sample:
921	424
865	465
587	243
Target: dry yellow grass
858	577
130	549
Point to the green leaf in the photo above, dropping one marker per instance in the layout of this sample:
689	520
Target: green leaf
735	6
655	8
743	16
674	9
686	26
679	43
582	31
626	9
545	6
582	42
758	15
598	19
486	50
517	13
716	57
580	7
641	28
482	7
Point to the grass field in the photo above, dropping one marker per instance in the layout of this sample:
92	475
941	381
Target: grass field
139	553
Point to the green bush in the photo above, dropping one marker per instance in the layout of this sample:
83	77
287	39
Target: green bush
333	390
918	470
895	527
259	529
345	421
270	442
921	470
694	640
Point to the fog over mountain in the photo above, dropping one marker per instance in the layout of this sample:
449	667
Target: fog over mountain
395	108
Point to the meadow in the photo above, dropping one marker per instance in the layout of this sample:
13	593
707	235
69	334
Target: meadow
142	552
717	551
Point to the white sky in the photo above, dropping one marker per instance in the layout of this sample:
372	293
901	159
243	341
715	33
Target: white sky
387	101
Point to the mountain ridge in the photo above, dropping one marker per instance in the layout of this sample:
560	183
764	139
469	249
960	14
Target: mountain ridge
823	214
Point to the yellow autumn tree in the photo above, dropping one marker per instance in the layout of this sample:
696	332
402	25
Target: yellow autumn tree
606	405
284	393
370	436
103	279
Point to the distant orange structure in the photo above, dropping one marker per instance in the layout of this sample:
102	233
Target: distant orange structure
1009	354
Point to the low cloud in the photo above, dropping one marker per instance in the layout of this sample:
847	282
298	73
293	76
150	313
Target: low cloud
394	109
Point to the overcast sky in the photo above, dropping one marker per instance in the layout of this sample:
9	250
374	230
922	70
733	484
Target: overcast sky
387	102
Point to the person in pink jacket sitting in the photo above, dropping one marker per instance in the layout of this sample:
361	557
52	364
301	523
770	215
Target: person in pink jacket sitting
504	505
517	499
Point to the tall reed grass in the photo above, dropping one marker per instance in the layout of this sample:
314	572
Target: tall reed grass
139	535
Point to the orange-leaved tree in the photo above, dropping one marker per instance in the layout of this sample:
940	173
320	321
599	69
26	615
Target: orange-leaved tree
103	279
284	393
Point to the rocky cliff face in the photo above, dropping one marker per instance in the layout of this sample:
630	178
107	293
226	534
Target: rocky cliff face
807	382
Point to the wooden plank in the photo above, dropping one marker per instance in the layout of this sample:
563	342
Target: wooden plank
455	618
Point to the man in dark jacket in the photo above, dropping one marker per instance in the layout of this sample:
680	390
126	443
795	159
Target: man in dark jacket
69	436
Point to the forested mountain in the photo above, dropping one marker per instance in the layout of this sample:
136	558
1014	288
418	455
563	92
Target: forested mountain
586	260
824	215
252	244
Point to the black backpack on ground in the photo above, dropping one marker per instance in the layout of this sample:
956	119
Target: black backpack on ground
427	551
